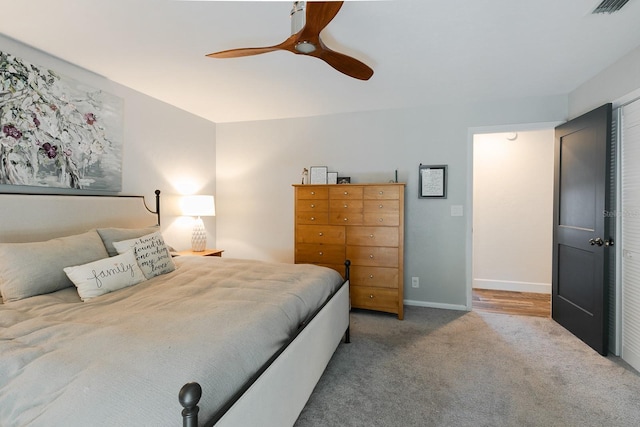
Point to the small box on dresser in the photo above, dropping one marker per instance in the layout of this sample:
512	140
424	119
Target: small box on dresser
363	223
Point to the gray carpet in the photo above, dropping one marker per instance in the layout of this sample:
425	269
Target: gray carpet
449	368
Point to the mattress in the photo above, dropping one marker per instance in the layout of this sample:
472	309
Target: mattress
121	358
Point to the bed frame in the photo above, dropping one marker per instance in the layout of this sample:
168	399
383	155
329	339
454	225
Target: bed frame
291	373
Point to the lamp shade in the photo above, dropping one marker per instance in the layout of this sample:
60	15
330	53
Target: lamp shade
198	206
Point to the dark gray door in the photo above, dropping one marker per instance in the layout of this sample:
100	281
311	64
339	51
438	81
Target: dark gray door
580	239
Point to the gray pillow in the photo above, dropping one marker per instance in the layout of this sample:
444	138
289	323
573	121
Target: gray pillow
28	269
110	235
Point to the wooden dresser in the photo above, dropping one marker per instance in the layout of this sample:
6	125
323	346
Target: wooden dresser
363	223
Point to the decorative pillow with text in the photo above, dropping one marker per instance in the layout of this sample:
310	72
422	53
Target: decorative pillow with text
110	235
105	275
151	253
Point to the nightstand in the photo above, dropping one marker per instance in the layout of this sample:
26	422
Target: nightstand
206	252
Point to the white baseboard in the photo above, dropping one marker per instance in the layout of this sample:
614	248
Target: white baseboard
504	285
435	305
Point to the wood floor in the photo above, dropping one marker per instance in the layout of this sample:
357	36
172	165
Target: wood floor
506	302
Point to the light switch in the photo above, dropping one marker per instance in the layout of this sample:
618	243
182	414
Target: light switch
456	210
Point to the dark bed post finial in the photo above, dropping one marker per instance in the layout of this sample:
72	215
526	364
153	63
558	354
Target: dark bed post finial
158	206
347	264
189	397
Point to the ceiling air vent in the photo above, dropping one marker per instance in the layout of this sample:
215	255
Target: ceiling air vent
610	6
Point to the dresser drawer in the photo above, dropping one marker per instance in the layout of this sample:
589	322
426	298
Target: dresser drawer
390	220
376	277
373	256
325	234
346	205
382	192
372	236
346	218
309	253
382	207
345	192
375	298
312	192
312	217
311	205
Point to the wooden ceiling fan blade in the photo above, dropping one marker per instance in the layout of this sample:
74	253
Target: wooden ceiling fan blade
345	64
248	51
318	16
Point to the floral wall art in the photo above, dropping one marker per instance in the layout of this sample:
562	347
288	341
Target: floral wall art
56	131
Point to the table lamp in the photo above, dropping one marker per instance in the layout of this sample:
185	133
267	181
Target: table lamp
198	206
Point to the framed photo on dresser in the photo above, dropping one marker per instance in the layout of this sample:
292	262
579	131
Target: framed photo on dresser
318	175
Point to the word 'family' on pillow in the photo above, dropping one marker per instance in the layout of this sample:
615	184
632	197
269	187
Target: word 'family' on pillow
105	275
151	253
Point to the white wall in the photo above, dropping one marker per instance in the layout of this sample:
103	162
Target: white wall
164	147
258	161
513	211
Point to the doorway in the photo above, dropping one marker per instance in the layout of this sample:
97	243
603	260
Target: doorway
512	213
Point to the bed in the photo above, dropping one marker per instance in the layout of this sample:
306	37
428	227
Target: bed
209	341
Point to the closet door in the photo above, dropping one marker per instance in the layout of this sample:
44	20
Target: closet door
630	218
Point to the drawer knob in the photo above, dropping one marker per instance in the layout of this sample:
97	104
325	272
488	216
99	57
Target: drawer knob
380	219
371	236
320	253
346	219
381	192
313	193
313	206
345	205
371	296
371	256
381	206
313	218
346	193
321	234
371	276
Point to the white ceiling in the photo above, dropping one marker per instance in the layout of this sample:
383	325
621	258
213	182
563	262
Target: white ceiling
422	52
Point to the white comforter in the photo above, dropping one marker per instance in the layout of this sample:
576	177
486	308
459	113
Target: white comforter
120	359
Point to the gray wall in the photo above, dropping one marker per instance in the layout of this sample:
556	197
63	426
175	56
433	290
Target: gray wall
258	161
615	82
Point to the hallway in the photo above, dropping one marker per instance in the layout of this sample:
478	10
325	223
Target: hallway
507	302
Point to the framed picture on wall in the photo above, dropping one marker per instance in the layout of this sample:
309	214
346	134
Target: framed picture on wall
432	181
318	175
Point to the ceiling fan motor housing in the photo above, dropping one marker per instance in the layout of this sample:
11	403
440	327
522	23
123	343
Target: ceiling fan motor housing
298	16
298	21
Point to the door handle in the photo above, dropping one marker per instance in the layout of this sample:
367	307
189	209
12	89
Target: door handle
596	242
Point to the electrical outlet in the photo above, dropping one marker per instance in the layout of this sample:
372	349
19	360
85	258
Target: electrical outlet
415	282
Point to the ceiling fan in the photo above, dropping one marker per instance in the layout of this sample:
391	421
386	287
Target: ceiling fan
308	19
